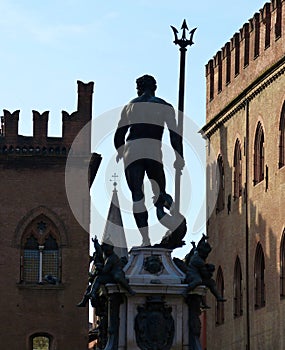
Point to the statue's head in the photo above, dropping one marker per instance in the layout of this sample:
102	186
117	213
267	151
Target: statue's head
146	82
107	249
204	249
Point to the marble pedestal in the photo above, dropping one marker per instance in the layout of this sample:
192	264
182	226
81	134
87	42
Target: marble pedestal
157	316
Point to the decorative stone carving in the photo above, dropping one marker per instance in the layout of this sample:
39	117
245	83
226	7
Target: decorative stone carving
153	264
154	325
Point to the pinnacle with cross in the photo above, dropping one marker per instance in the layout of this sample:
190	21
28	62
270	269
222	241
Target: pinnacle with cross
114	177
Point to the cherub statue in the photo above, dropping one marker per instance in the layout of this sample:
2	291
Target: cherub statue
199	272
98	262
109	272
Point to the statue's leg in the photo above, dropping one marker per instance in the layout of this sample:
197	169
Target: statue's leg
211	284
85	299
94	288
141	218
194	281
155	173
135	175
121	279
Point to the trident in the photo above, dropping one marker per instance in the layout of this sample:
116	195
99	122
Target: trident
183	43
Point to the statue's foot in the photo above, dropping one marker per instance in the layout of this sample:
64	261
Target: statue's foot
164	200
83	302
146	242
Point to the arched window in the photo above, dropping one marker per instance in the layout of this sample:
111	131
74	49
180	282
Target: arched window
220	183
237	171
258	155
40	342
220	310
40	257
259	270
282	138
282	265
238	302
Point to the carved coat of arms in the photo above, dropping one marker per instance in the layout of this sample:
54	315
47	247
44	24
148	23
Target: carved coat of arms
153	264
154	325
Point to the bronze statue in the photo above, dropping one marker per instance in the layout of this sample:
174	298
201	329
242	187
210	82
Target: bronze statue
144	118
97	264
109	272
107	267
199	272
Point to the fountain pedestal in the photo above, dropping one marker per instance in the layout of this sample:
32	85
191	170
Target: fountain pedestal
157	316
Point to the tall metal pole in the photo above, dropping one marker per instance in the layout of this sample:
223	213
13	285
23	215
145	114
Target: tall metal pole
183	43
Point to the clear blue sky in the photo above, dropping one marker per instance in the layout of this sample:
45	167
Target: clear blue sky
46	46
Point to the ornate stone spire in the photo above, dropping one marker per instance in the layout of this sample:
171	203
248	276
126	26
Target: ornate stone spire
114	230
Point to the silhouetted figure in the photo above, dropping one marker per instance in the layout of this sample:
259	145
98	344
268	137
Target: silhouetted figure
97	264
199	272
110	272
144	119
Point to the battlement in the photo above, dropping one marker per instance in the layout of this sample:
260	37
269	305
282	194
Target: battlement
40	143
249	53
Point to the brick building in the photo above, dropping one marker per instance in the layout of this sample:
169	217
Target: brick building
246	137
43	248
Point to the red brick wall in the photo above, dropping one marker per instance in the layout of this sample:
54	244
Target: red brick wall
33	183
241	105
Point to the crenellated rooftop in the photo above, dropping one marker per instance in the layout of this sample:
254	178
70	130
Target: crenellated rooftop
254	49
40	142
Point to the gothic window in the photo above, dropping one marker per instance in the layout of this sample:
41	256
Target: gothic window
220	183
40	253
259	272
220	310
282	138
282	265
238	305
237	171
258	155
40	342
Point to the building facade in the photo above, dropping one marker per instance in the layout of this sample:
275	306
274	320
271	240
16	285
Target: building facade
245	131
44	249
